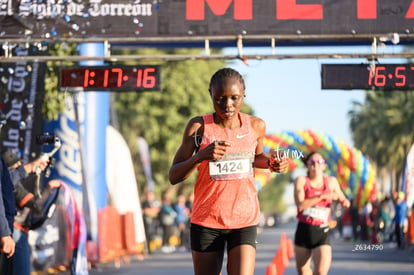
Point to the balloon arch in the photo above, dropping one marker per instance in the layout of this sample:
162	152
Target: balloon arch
355	174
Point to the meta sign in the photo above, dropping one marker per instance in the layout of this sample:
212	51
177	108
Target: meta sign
104	19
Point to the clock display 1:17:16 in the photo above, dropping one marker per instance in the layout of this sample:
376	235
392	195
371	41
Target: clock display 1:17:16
120	77
131	78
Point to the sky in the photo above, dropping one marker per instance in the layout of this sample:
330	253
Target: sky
287	93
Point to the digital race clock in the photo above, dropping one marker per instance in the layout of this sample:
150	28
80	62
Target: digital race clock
367	77
110	78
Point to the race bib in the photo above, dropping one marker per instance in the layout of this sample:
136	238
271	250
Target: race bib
232	166
317	213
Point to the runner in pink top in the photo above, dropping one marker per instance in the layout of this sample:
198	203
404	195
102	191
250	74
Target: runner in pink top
225	147
314	194
318	214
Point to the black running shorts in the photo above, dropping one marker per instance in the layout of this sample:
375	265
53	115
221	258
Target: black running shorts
311	236
204	239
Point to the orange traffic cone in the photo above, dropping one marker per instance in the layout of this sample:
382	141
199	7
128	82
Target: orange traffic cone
280	266
284	250
271	269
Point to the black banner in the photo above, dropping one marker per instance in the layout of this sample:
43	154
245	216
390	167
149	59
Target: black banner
50	245
164	19
61	240
21	97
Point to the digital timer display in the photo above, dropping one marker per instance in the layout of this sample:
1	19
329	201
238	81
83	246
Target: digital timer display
367	77
110	78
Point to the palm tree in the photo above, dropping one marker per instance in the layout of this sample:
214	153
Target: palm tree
383	129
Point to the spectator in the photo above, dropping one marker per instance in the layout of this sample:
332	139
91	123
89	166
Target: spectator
375	225
366	221
189	202
385	214
150	208
7	213
167	217
391	207
400	219
28	207
18	171
181	220
355	220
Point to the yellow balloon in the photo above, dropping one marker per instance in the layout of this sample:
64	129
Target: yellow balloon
344	152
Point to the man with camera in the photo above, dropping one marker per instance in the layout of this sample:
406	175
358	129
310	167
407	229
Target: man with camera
18	171
7	212
28	206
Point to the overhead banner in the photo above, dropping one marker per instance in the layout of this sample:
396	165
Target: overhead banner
21	97
164	19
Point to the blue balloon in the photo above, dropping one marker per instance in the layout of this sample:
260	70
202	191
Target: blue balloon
297	138
364	174
335	147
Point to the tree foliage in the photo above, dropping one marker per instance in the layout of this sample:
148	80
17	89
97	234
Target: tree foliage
271	196
54	101
383	127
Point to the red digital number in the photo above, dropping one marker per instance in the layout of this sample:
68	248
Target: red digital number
401	77
379	77
139	78
86	78
146	78
106	78
119	78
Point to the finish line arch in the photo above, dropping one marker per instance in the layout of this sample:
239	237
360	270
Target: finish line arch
355	174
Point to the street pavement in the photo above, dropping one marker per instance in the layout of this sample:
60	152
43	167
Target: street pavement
347	259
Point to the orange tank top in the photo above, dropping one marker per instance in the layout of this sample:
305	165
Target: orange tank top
225	195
